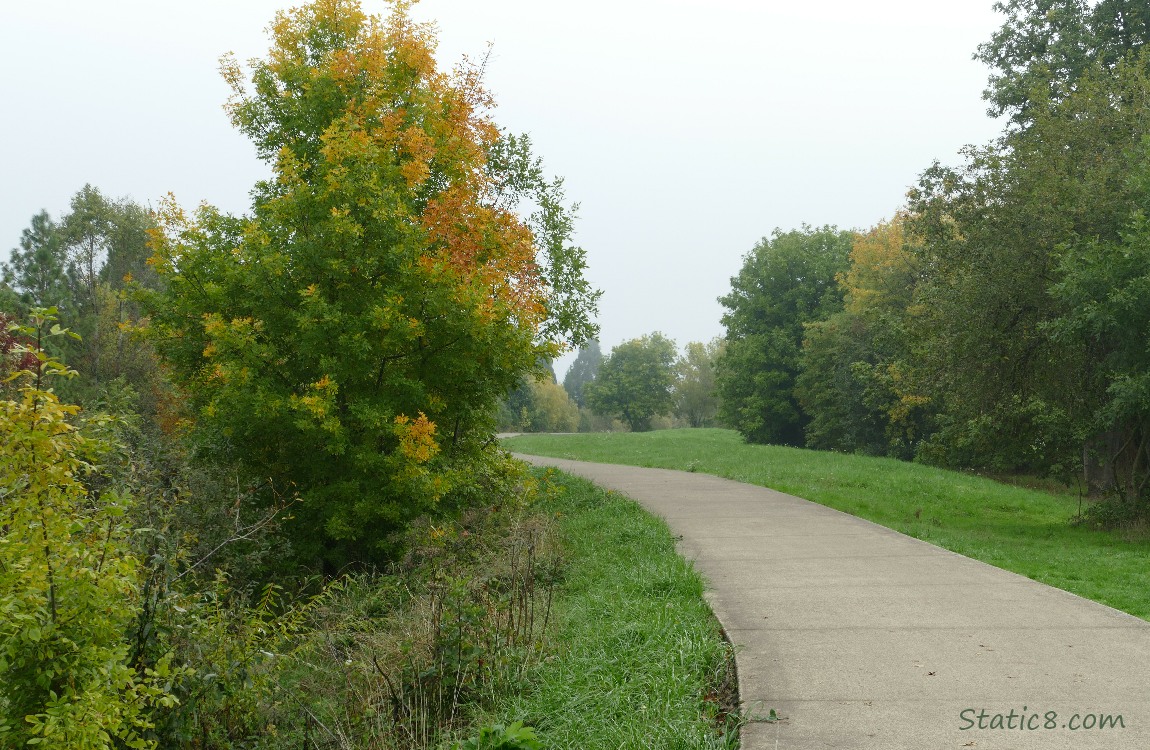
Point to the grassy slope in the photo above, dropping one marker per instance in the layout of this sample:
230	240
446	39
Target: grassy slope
639	651
1021	530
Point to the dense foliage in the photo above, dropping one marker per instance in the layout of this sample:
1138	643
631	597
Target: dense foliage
583	371
999	321
261	400
83	266
696	397
353	336
1045	47
787	280
539	404
70	585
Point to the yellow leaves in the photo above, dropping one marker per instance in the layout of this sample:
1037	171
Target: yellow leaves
318	405
882	269
290	169
418	149
214	324
416	438
296	32
413	43
238	330
226	339
233	76
342	223
907	402
172	224
312	404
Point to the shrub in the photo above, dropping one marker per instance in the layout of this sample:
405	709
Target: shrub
69	584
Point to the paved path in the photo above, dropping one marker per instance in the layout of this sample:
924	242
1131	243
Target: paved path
860	637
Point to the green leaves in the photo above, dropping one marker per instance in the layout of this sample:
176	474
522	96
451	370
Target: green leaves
636	382
383	275
786	281
695	398
68	577
500	737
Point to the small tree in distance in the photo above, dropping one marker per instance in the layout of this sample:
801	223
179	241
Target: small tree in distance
582	371
636	382
696	400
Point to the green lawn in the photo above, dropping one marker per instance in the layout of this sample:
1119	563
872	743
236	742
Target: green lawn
1025	531
639	660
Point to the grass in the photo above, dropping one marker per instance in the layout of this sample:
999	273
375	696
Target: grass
1018	529
640	660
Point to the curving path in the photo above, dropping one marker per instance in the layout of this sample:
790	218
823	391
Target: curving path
860	637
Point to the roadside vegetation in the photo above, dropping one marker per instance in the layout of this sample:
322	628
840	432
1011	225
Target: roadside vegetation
249	495
554	615
639	660
1031	532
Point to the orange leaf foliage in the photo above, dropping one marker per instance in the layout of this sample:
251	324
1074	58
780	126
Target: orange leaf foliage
416	438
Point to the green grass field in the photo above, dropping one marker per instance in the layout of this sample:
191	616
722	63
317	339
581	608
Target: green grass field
640	661
1022	530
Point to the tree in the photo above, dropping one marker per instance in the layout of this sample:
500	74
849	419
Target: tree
786	281
1045	47
583	371
855	383
38	268
353	336
1041	50
539	404
128	247
1100	286
551	410
1106	288
636	382
1009	396
86	231
82	266
696	400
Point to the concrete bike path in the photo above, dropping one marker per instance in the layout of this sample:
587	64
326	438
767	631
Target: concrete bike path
860	637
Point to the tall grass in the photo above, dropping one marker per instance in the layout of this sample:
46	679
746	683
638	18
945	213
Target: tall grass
1022	530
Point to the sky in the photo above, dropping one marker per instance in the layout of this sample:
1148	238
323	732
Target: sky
687	130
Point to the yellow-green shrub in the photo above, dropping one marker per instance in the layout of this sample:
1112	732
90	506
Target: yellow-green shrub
69	585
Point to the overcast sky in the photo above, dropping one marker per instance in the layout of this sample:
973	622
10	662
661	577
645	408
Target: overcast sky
686	129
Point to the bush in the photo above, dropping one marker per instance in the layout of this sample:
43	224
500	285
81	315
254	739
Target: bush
69	583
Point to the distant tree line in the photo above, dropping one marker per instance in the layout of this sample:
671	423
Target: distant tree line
641	384
1000	320
83	265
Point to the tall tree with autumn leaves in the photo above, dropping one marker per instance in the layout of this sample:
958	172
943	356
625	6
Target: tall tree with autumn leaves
350	338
